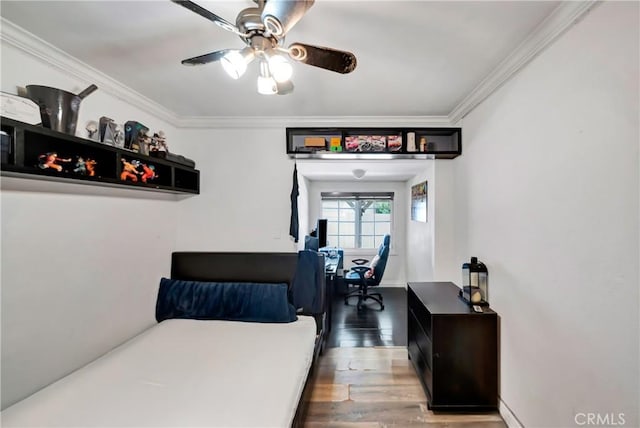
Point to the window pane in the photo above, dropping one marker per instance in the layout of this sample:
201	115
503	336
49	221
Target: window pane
347	228
368	228
368	214
350	227
383	229
368	242
347	241
348	215
330	214
383	207
383	217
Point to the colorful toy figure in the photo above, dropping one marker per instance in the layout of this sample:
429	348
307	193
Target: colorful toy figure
149	172
81	166
130	170
159	142
50	160
90	164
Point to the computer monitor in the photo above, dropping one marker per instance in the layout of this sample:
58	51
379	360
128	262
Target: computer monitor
321	230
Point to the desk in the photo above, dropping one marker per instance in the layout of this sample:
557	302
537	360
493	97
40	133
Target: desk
333	269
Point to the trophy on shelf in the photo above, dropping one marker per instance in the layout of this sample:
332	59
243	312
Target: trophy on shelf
107	131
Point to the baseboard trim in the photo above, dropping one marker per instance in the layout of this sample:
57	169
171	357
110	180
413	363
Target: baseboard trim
509	418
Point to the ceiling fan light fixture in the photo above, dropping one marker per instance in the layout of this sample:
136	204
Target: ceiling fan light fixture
267	86
266	83
235	62
280	16
280	68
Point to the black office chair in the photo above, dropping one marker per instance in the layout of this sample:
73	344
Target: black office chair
357	276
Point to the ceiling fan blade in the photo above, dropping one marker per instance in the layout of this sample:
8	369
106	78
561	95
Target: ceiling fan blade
209	15
279	16
284	88
327	58
206	58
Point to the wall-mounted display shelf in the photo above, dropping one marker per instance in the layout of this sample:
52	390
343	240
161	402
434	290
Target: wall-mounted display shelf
30	151
347	143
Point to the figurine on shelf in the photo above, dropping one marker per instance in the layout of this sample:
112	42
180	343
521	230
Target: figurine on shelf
118	136
107	130
145	143
80	166
130	170
132	131
149	172
92	130
135	145
90	164
50	160
159	148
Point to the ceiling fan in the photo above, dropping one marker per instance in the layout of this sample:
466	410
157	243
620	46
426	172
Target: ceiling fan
263	29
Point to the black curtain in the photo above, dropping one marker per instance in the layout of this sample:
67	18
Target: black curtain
293	225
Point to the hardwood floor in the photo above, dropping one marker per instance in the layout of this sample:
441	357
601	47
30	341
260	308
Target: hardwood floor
377	387
365	379
371	326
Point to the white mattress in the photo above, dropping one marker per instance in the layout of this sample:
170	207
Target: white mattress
183	373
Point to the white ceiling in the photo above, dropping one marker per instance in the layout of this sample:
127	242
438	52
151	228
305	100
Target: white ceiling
415	58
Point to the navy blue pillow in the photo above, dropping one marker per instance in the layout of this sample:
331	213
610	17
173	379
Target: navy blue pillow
233	301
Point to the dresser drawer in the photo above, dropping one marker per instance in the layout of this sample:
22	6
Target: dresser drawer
420	337
422	314
422	369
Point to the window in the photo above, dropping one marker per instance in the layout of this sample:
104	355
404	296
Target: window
357	220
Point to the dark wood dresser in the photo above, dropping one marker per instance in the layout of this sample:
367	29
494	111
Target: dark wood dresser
453	349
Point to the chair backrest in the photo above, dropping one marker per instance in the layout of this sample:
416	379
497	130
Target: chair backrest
383	253
311	243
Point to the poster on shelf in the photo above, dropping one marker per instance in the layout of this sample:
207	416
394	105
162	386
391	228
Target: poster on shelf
366	143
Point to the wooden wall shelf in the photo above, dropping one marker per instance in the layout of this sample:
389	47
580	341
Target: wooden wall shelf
22	156
374	143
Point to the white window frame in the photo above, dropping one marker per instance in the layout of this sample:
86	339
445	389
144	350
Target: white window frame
358	197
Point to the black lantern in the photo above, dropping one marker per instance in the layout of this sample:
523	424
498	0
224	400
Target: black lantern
474	283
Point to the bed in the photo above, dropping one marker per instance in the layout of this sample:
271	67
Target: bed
197	372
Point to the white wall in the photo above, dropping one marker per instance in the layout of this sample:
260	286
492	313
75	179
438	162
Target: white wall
419	261
446	267
547	196
245	183
80	264
394	274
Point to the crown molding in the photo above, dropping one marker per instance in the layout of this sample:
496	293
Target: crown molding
301	121
561	19
40	49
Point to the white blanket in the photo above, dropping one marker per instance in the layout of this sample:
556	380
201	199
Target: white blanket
183	373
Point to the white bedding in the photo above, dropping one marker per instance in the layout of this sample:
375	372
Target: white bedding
183	373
